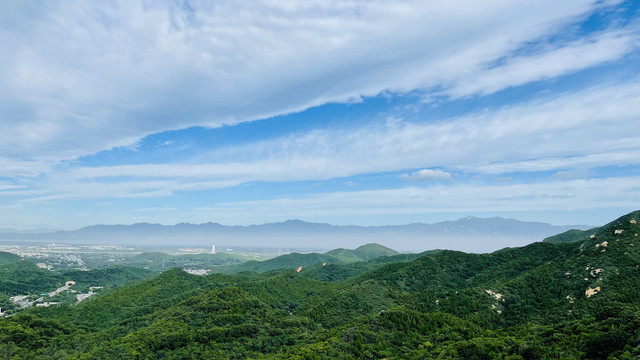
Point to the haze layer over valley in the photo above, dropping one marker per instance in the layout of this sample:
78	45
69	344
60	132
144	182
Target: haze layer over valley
468	234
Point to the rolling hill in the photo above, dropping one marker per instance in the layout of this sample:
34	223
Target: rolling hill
8	258
568	300
296	260
468	234
572	235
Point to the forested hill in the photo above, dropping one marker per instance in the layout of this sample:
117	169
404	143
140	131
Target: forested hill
571	236
469	234
8	258
296	260
570	300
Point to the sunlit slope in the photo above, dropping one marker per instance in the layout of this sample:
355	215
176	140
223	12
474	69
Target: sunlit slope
296	260
543	301
504	287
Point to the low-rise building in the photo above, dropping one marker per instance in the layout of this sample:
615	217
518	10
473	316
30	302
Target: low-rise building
47	304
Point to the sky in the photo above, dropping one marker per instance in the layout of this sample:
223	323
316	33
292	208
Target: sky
344	112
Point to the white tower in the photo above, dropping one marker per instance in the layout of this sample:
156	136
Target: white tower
213	248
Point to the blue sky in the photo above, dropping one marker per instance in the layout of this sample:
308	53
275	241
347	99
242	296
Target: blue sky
360	112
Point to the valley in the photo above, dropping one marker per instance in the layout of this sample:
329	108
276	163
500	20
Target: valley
310	180
572	296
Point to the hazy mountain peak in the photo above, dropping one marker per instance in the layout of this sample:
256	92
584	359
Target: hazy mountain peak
470	234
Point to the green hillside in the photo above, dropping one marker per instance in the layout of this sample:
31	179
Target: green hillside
571	236
8	258
288	261
157	261
296	260
364	252
338	272
574	300
25	278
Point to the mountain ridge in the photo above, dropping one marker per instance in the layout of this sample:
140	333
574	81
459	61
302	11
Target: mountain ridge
466	234
568	300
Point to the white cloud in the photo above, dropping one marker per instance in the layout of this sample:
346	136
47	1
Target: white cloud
28	168
426	175
11	187
83	77
571	57
12	207
571	174
163	209
598	127
598	124
626	156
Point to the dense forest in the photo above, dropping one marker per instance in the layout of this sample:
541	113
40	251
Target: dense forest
573	296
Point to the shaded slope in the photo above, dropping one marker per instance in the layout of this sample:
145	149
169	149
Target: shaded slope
511	304
25	277
296	260
542	282
8	258
334	272
288	261
158	261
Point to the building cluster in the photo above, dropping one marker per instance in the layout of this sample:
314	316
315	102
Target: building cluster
199	272
24	301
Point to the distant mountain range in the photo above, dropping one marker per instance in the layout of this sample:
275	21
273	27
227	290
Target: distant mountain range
469	234
572	297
